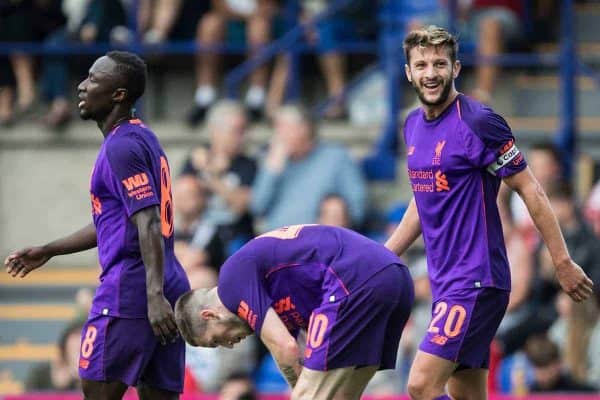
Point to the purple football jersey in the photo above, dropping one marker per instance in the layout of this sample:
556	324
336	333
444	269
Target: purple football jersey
455	165
295	269
131	173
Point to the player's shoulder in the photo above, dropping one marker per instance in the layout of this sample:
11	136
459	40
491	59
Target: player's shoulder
132	133
412	115
482	120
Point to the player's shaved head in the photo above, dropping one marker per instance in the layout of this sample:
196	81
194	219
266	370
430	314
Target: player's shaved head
430	36
187	313
131	72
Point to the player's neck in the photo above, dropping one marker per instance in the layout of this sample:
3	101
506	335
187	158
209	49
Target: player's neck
432	112
115	117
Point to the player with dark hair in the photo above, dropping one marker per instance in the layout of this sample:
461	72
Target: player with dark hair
130	337
458	152
351	294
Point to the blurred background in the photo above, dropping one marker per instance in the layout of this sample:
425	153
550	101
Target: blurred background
276	112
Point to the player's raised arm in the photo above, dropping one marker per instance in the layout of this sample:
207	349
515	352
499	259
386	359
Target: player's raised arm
570	275
22	262
407	232
283	347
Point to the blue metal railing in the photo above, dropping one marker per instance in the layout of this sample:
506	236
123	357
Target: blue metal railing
391	20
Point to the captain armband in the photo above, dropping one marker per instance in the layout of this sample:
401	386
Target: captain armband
506	156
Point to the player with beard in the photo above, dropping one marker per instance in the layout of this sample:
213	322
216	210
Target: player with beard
130	338
458	153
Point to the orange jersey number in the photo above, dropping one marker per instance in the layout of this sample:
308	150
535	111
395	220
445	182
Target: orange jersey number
284	233
454	322
317	326
87	345
166	199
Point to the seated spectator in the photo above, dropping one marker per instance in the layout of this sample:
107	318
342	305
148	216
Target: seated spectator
87	22
17	24
492	24
61	373
197	243
211	366
212	29
577	333
176	20
349	24
544	160
7	88
226	174
592	208
549	375
334	211
299	170
238	386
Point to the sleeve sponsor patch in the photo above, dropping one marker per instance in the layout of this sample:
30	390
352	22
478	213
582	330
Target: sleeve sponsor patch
508	153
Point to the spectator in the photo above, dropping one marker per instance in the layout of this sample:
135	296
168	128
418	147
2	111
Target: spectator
581	240
87	22
539	311
211	366
298	171
226	173
577	333
592	208
334	211
238	386
61	373
212	29
161	20
197	243
549	376
491	24
544	161
16	19
495	23
348	24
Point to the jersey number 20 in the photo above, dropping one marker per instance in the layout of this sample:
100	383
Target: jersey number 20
454	321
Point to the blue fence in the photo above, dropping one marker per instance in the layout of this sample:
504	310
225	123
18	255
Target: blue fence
391	18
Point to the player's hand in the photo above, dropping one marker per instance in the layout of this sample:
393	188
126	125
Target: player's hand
162	319
22	262
574	281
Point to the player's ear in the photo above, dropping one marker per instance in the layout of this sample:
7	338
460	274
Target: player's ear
207	314
120	95
456	69
407	72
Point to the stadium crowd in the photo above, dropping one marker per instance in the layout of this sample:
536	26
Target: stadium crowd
223	196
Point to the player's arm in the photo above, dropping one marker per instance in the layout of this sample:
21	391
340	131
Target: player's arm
282	346
570	275
407	232
26	260
152	248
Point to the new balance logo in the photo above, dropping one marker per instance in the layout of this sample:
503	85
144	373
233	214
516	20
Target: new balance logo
135	181
437	158
439	340
245	313
441	182
284	305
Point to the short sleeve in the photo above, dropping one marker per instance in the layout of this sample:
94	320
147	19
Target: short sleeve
131	173
490	144
242	291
